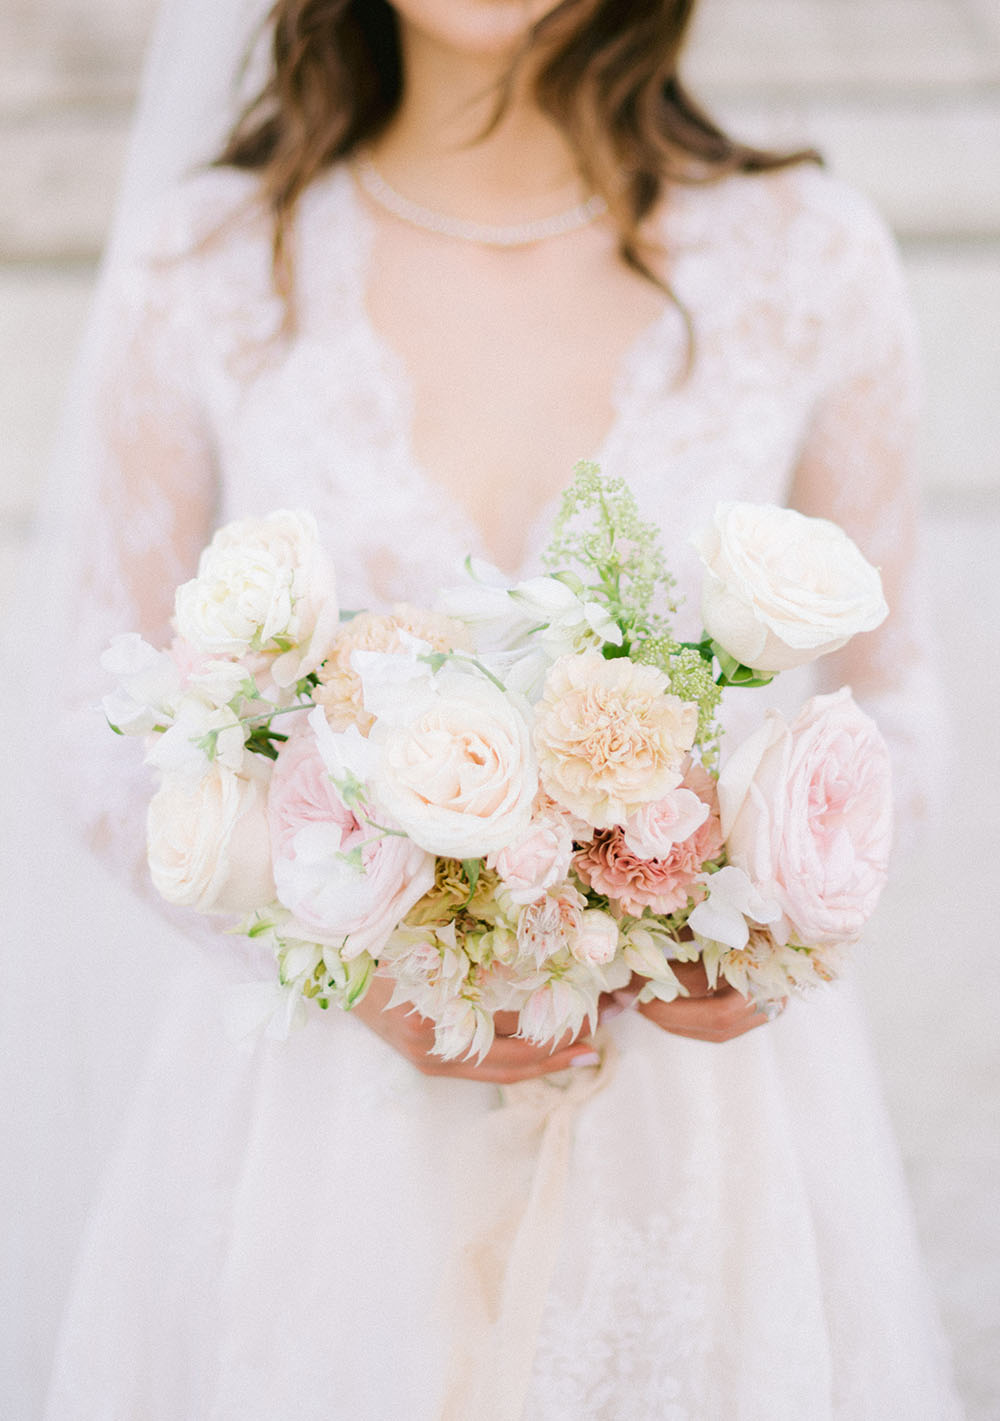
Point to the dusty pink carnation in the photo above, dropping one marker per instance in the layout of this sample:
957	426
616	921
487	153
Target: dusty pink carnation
662	885
339	691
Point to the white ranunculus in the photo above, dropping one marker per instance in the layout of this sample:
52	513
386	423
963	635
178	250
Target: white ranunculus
460	777
208	843
782	589
263	584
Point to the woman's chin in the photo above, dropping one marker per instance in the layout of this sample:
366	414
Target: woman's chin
485	28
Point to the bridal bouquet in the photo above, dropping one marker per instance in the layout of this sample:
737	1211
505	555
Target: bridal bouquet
514	800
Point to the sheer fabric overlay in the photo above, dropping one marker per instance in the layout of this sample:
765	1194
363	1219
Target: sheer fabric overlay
269	1236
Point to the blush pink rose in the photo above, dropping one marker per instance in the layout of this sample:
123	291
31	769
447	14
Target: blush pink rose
662	885
807	814
596	942
345	882
536	860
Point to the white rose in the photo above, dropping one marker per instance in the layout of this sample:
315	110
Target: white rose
460	778
263	584
208	843
782	589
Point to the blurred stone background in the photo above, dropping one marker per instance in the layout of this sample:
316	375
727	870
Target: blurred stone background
903	96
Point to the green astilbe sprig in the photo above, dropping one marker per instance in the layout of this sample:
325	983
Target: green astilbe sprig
601	544
599	533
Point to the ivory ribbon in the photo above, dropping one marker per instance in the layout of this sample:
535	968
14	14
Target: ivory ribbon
498	1286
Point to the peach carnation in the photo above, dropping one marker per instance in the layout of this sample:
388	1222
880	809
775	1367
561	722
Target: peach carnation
610	737
339	691
662	885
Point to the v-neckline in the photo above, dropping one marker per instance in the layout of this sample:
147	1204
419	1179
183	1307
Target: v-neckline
628	396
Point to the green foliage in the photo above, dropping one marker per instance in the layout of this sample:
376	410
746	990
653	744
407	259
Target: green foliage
599	532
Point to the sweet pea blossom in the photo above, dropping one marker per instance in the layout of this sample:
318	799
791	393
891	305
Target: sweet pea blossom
731	900
521	629
149	685
340	691
199	733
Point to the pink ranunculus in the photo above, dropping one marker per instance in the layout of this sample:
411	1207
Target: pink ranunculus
662	885
536	860
807	814
346	882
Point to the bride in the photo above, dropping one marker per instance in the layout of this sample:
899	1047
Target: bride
449	248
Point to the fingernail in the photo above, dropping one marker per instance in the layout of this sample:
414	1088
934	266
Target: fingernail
612	1010
626	1000
586	1058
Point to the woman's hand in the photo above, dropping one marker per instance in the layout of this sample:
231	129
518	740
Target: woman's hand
507	1060
706	1014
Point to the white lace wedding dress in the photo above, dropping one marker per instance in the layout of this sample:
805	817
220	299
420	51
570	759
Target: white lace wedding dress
270	1235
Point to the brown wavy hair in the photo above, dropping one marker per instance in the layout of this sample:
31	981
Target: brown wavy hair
607	76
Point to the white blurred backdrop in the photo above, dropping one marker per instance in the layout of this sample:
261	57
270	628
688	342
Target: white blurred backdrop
903	97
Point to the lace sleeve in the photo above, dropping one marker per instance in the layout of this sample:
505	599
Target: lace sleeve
857	468
148	511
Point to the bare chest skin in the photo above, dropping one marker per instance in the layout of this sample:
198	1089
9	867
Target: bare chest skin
512	358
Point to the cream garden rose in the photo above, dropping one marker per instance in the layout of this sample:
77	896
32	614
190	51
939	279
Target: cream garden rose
610	737
459	776
263	584
782	589
207	840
